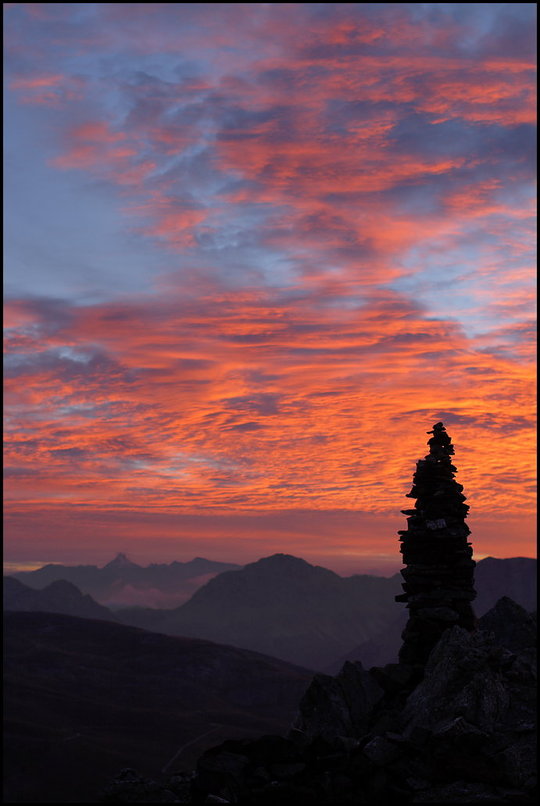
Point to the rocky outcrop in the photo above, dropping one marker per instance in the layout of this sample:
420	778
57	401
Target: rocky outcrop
510	624
129	787
513	577
339	706
464	734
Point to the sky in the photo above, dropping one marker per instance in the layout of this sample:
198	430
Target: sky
253	252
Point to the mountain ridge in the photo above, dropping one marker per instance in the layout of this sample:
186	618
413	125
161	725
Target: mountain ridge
61	596
123	582
306	614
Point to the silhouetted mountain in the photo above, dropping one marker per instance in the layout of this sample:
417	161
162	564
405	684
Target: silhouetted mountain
84	698
514	578
121	563
379	650
305	614
283	606
122	581
58	597
511	625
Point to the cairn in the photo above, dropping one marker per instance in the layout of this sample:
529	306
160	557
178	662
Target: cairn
439	577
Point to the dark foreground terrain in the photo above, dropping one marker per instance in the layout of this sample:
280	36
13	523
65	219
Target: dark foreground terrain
462	732
204	723
84	698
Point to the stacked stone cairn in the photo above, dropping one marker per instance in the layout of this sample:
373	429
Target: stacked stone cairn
457	727
439	577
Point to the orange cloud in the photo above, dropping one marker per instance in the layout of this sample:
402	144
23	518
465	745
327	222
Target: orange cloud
178	414
314	164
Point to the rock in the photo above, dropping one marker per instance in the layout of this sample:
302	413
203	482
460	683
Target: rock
323	709
222	773
470	792
285	771
510	624
456	728
223	763
462	678
476	705
339	706
381	751
271	749
463	734
394	677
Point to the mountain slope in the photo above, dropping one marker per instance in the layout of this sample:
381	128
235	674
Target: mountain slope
514	577
285	607
86	698
282	606
58	597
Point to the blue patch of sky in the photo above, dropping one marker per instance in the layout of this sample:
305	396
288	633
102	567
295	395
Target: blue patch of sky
447	285
74	355
63	237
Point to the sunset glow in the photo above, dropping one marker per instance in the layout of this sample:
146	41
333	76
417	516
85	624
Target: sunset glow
253	253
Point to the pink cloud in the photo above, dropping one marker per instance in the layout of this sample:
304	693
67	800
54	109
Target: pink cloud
285	158
36	82
177	382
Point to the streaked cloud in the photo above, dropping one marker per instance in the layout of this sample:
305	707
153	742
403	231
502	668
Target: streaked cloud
323	238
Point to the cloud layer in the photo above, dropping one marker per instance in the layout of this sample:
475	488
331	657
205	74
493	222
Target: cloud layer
289	237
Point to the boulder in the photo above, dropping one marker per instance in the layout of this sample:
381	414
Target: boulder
511	625
341	705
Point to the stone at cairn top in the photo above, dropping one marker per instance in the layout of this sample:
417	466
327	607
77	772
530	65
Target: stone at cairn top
439	577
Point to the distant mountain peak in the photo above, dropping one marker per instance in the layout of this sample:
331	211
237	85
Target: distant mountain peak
285	563
283	559
120	561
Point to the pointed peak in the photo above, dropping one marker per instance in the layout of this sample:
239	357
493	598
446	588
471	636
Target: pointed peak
120	561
